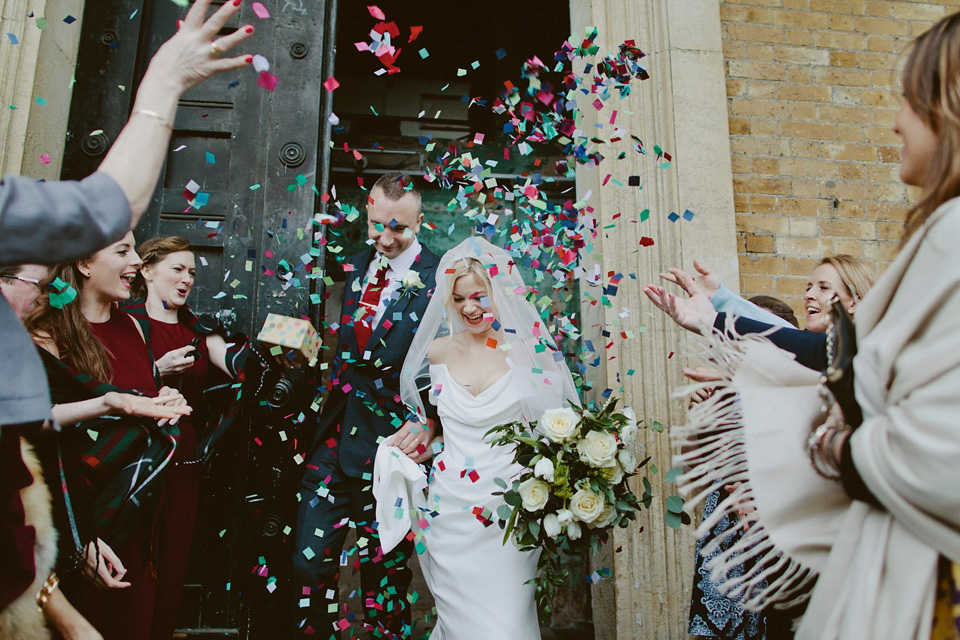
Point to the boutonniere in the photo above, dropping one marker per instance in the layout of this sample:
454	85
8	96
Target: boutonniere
410	283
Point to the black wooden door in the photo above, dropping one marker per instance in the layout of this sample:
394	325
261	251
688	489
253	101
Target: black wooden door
256	157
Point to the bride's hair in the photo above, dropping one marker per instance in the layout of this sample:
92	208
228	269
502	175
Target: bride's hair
463	267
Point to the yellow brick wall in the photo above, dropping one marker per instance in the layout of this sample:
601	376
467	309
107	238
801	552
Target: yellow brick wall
811	96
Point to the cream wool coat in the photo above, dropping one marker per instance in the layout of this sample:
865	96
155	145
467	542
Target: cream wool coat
877	569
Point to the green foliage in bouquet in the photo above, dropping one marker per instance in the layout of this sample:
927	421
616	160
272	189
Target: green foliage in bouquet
573	490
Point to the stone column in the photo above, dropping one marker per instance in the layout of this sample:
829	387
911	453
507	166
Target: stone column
682	108
36	79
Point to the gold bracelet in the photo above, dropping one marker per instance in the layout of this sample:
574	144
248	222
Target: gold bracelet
154	115
43	596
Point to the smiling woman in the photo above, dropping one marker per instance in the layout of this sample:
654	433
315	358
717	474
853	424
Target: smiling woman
842	276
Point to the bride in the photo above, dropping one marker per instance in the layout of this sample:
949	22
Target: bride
483	356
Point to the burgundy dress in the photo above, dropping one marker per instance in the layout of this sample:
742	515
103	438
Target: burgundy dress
127	613
179	508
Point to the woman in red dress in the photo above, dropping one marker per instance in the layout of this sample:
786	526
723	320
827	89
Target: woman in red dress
93	337
184	357
186	353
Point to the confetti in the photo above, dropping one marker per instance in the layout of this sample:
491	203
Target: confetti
267	80
260	10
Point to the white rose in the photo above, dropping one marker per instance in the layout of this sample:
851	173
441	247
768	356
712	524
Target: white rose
587	505
616	472
544	469
411	279
606	517
534	494
551	525
559	424
573	530
598	449
628	432
564	517
627	459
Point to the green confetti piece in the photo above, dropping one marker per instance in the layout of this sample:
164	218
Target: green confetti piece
42	23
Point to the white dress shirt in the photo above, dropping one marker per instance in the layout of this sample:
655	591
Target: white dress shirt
398	267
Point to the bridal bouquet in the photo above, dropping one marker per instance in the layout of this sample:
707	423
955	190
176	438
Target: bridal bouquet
573	489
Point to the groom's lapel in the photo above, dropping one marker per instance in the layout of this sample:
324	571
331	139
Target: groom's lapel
398	306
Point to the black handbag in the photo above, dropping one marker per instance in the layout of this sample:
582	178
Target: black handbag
841	349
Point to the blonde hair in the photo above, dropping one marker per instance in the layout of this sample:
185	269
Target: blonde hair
931	86
466	266
857	276
153	251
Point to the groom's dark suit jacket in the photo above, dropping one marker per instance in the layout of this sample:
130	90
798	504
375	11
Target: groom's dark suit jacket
364	394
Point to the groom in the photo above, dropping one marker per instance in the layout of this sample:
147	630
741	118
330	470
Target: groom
385	294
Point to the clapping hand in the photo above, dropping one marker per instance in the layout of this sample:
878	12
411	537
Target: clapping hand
133	405
169	397
693	312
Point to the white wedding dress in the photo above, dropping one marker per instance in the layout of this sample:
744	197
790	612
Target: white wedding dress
476	580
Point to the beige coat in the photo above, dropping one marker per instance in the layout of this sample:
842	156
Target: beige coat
877	569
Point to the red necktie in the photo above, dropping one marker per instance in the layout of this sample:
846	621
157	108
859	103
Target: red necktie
370	301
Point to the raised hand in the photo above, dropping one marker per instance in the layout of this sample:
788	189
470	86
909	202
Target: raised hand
193	54
693	313
177	360
708	279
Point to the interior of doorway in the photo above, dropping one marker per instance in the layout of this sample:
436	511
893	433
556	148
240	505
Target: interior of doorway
452	64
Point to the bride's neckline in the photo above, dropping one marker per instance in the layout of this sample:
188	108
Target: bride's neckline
484	390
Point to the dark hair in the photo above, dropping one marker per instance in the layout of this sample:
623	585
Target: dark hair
10	270
69	329
931	86
394	185
777	307
153	251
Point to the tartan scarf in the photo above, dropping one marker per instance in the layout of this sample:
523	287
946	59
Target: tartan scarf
121	457
248	368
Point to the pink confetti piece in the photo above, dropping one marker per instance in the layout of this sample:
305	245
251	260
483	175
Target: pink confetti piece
44	158
260	10
267	80
376	12
331	84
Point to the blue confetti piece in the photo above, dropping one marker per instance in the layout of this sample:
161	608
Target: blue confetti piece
41	101
688	215
211	158
69	19
501	53
673	217
13	38
201	199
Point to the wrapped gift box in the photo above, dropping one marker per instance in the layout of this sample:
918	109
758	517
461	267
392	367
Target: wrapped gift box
291	333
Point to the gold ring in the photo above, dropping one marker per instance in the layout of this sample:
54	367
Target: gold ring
216	50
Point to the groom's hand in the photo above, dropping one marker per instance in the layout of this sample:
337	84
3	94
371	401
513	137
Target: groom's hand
413	438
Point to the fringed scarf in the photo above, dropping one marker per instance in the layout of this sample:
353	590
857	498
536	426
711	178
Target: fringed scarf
876	568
